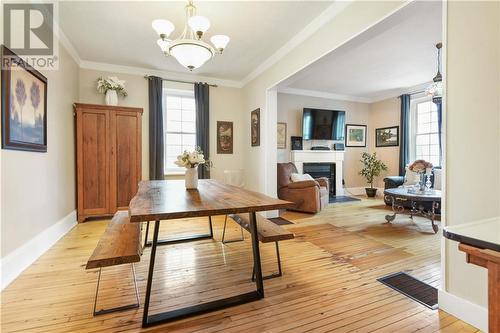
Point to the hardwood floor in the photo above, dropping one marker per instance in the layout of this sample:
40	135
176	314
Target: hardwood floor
329	281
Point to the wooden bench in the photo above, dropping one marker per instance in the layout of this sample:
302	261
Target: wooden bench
268	232
120	244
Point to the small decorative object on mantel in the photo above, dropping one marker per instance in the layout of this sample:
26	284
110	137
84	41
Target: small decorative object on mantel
372	167
424	170
191	160
24	105
296	142
111	88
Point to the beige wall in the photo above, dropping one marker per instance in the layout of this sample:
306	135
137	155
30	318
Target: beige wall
385	113
357	17
472	133
38	189
290	109
137	89
225	104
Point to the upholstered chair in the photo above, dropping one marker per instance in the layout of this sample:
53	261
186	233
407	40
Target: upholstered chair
309	196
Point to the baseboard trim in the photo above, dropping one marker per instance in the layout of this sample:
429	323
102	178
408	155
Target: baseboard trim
471	313
361	191
13	264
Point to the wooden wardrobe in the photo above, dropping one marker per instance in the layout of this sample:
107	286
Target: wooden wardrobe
108	158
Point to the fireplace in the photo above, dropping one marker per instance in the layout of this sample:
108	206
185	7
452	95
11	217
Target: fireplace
327	170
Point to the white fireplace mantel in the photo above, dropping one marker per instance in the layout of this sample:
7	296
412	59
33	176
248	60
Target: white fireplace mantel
299	157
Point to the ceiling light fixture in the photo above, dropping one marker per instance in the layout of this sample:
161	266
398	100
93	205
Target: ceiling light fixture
435	90
188	49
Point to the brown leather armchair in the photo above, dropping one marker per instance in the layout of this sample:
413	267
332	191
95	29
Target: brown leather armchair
309	196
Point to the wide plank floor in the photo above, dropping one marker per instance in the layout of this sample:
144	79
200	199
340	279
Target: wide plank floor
329	282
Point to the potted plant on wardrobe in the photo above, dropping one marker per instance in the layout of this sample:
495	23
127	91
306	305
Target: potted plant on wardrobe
372	168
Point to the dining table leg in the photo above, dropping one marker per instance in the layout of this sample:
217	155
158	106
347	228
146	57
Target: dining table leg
149	284
256	254
182	239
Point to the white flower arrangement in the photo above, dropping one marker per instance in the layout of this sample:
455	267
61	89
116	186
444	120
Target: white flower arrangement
191	159
111	83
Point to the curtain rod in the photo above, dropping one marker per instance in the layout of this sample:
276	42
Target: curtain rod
180	81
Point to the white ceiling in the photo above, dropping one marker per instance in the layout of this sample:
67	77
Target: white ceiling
120	33
383	62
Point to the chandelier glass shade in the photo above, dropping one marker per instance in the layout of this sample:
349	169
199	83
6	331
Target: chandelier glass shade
435	89
188	49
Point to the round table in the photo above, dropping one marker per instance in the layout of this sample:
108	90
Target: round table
396	196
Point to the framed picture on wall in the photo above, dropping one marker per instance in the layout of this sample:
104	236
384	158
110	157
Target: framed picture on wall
355	135
224	137
296	142
281	136
255	128
387	136
24	105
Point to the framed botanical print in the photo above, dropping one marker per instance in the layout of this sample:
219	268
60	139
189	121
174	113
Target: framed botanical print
255	128
224	137
387	136
281	136
24	105
355	135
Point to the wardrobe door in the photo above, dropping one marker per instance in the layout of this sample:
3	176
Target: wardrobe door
92	162
125	157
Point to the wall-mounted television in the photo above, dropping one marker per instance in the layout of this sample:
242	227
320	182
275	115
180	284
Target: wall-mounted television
318	124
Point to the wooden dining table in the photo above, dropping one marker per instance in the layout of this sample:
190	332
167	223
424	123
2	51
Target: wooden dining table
163	200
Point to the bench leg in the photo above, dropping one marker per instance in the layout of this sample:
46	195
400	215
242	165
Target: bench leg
274	275
231	240
119	308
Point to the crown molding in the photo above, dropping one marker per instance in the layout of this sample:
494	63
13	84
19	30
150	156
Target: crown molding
67	44
105	67
322	94
318	22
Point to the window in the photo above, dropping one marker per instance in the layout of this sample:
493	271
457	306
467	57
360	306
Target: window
425	131
179	125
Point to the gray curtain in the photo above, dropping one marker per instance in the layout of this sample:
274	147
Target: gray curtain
156	135
202	101
404	148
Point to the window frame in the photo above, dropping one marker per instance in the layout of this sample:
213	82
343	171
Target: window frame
414	102
169	171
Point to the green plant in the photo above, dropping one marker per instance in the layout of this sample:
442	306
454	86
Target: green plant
372	167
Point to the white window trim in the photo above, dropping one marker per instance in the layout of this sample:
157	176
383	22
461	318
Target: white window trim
174	92
413	125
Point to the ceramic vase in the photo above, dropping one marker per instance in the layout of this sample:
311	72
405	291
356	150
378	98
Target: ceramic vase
111	98
191	178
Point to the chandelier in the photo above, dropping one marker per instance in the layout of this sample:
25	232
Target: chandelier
435	90
188	49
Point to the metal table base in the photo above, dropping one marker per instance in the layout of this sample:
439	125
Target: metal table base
159	318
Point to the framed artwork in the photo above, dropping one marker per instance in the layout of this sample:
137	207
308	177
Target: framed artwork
355	135
24	105
255	128
224	137
281	136
387	136
296	142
